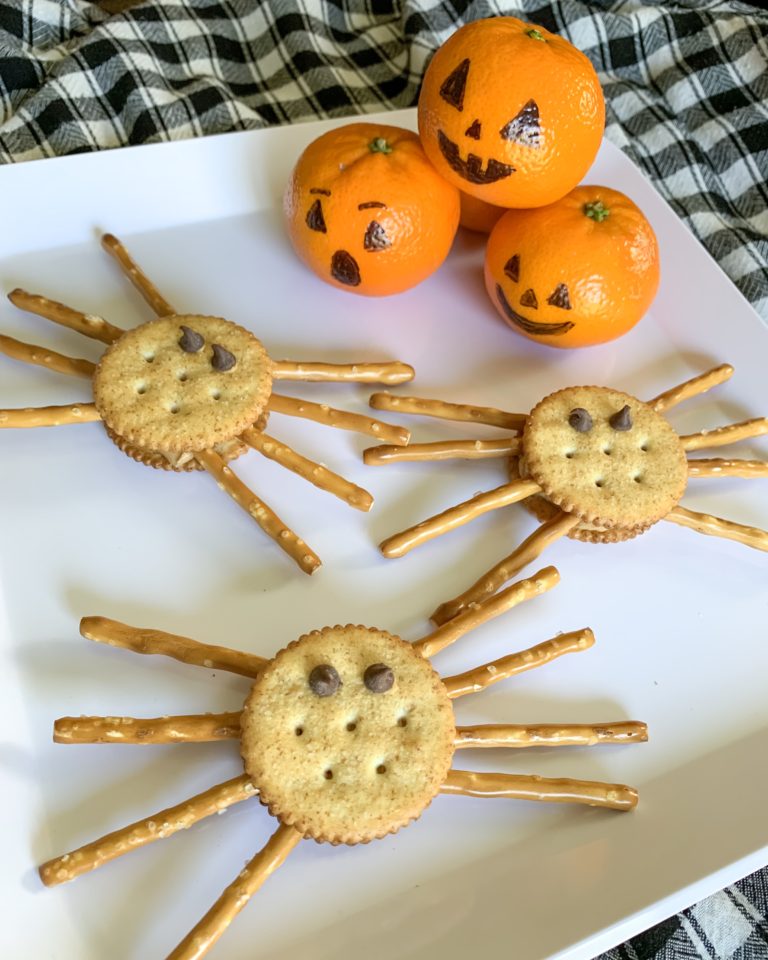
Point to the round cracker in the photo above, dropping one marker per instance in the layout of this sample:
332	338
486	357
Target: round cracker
356	765
611	479
157	397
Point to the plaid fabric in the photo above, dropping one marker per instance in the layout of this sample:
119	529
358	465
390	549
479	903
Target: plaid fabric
686	85
730	925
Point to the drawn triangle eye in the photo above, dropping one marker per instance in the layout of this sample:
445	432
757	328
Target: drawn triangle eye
375	237
512	268
559	297
452	90
315	219
524	127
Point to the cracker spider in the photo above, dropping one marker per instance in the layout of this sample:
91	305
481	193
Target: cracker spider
346	735
186	392
591	463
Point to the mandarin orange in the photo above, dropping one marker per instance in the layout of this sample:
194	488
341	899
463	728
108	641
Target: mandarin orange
575	273
511	113
367	211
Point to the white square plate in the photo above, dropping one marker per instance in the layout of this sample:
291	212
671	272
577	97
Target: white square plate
680	619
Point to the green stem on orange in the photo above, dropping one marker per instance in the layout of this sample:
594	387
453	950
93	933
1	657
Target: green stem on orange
597	211
379	145
535	34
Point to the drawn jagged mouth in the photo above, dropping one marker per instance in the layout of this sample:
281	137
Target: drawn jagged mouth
471	169
530	326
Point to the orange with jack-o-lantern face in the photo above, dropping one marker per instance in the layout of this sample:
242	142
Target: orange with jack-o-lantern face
575	273
511	113
367	212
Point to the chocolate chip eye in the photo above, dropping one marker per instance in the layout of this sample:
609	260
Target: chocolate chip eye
454	85
375	237
580	420
524	127
222	359
191	341
315	219
324	680
378	678
622	419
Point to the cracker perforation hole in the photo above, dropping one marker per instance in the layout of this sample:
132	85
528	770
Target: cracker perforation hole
569	454
381	768
599	482
149	357
638	478
215	394
644	446
328	774
352	725
182	376
174	408
607	451
402	721
299	731
141	389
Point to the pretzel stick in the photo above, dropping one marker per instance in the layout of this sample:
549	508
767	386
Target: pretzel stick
717	527
443	450
390	373
49	416
721	436
266	518
138	834
550	734
315	473
473	681
199	728
514	786
479	613
97	328
717	467
497	576
449	411
137	277
401	543
330	417
691	388
205	934
31	353
145	641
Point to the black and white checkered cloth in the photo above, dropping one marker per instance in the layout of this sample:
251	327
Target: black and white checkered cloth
730	925
686	85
